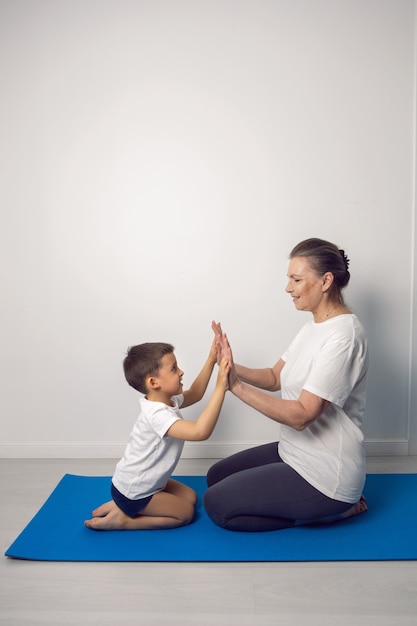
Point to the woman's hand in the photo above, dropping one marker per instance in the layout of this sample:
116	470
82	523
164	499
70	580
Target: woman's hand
226	352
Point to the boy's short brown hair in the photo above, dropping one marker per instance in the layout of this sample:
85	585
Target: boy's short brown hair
142	361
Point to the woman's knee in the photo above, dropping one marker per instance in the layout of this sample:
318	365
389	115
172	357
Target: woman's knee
213	507
212	475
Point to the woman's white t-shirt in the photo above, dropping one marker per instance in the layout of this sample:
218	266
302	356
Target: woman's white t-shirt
330	360
150	457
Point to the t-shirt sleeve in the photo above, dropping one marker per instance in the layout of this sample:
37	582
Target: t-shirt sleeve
335	371
164	416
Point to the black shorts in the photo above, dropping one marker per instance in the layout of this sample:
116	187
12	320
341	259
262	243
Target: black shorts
131	508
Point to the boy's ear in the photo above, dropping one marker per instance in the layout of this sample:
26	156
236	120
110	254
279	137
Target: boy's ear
152	382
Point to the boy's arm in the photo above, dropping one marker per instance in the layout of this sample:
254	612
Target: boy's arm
202	428
199	386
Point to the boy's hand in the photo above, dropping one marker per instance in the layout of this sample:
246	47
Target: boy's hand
214	354
218	333
223	375
217	328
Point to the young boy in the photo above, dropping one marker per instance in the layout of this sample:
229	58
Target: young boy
144	494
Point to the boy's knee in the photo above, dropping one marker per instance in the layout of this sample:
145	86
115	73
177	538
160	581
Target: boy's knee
187	514
193	497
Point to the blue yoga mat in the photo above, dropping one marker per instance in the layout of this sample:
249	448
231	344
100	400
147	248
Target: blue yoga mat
386	532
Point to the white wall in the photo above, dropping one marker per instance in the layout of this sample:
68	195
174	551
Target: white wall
159	160
413	369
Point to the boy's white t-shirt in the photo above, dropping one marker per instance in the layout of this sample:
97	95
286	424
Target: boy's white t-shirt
330	360
150	457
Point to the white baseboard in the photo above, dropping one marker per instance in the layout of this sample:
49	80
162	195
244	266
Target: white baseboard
385	447
192	450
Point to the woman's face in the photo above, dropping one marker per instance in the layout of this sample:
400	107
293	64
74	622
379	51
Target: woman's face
306	288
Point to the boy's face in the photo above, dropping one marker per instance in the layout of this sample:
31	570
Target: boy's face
169	376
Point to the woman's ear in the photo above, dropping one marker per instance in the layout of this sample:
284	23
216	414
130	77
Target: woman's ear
328	279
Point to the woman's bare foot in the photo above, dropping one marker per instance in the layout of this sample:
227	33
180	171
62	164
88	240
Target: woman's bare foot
357	509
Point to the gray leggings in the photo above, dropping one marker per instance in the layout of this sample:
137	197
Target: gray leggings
255	490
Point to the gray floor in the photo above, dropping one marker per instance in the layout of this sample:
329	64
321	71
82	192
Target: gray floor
38	593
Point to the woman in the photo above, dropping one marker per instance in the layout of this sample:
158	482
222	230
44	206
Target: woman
316	472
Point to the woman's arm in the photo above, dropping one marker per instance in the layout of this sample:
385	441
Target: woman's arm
268	378
295	413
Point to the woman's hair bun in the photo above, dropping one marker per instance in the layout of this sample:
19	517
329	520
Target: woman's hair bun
345	259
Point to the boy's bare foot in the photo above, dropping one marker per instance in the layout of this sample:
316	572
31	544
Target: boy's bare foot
104	509
108	516
165	510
